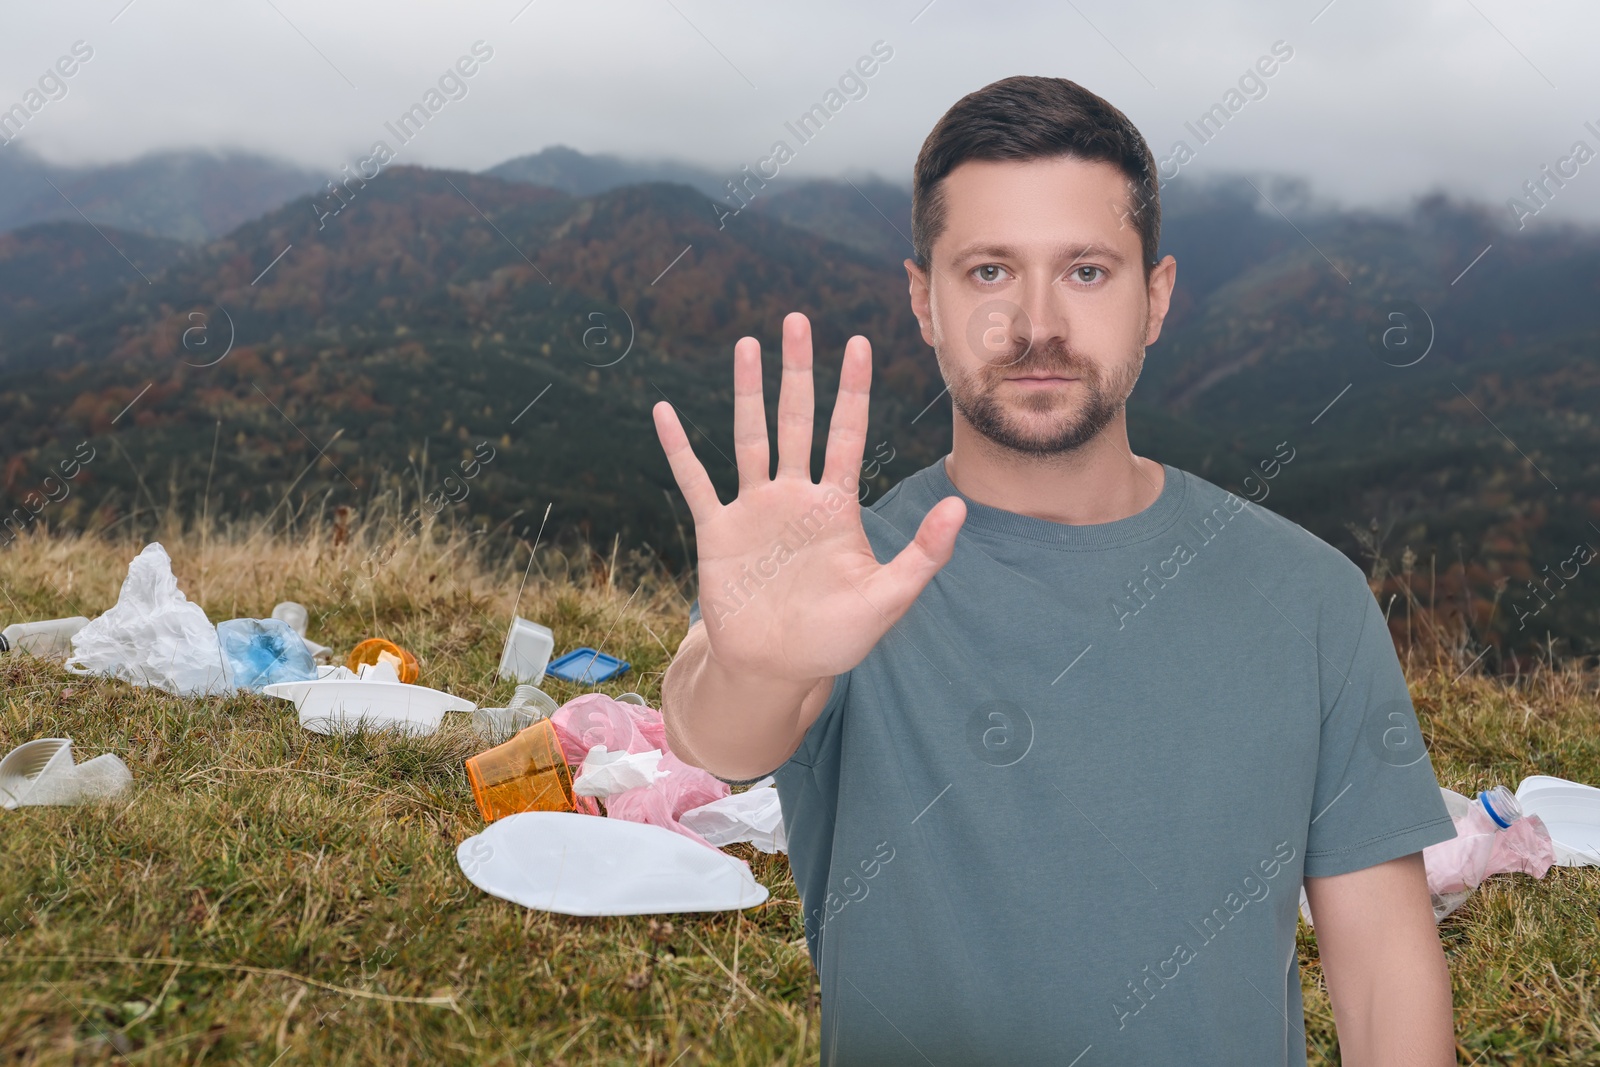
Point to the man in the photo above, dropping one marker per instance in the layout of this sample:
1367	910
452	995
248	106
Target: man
1057	730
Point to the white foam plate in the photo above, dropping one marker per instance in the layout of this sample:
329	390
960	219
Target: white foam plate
1570	811
592	865
338	705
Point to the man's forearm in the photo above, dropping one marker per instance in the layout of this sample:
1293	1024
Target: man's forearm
735	726
1402	1016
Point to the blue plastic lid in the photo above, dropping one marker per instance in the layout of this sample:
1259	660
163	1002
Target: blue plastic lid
586	665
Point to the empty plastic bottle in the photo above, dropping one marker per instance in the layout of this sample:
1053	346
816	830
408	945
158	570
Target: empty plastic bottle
52	637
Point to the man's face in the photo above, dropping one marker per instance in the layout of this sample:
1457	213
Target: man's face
1036	301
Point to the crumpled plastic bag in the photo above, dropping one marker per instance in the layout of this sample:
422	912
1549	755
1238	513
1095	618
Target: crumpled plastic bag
596	719
1458	866
754	816
152	635
262	652
604	773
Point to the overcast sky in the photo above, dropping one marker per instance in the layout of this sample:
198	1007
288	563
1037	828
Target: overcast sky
1378	103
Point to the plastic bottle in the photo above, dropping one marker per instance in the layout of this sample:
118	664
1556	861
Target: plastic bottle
527	773
1494	810
52	637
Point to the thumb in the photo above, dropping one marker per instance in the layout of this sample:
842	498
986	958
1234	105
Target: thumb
897	583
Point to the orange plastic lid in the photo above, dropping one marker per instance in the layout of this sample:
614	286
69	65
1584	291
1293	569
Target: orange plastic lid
375	649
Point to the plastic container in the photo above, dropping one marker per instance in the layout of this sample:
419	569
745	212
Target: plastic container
42	772
527	651
587	666
528	705
376	650
294	614
527	773
52	637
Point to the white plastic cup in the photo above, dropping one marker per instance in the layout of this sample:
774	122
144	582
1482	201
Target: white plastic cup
527	651
294	614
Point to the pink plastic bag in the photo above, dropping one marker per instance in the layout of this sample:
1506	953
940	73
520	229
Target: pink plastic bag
1478	850
596	719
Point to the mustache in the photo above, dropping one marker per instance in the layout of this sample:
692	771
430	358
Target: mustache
1051	357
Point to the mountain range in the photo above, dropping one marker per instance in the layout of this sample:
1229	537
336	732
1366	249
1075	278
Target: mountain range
493	343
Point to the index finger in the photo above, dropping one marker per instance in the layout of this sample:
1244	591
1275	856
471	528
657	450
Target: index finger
687	470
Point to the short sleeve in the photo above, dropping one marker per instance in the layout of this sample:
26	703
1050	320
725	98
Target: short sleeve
1376	796
694	617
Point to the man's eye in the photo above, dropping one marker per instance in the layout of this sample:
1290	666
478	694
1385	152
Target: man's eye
1098	273
984	274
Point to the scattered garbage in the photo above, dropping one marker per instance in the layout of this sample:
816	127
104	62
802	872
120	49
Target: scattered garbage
49	638
586	666
594	719
604	773
754	816
379	650
298	619
376	699
1571	813
576	865
527	773
1493	836
527	651
259	652
633	698
528	705
152	635
42	772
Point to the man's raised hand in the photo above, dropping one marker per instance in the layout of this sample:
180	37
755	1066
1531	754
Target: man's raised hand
789	585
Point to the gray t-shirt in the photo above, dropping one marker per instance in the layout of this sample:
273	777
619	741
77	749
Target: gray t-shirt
1061	812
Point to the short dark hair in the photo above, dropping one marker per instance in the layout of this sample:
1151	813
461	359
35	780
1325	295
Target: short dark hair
1025	118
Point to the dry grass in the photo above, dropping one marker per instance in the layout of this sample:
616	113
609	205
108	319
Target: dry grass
268	896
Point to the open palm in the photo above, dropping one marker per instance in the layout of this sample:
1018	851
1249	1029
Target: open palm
789	585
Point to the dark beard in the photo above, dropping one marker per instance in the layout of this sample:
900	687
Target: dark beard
974	397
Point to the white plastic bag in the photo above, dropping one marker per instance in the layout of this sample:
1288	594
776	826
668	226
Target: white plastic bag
754	816
152	635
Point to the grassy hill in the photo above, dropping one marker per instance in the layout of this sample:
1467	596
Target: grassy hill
264	895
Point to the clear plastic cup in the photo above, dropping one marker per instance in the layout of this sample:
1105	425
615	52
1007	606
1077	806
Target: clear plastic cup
527	773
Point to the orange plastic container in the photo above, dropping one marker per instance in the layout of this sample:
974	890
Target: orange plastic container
375	649
527	773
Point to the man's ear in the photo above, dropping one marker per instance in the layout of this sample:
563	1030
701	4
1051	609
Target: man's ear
921	306
1163	277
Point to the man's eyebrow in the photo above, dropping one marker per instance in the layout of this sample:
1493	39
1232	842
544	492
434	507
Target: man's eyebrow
1073	251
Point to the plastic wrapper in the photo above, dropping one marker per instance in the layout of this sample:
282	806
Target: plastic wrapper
260	652
605	773
596	719
754	816
152	635
1458	866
